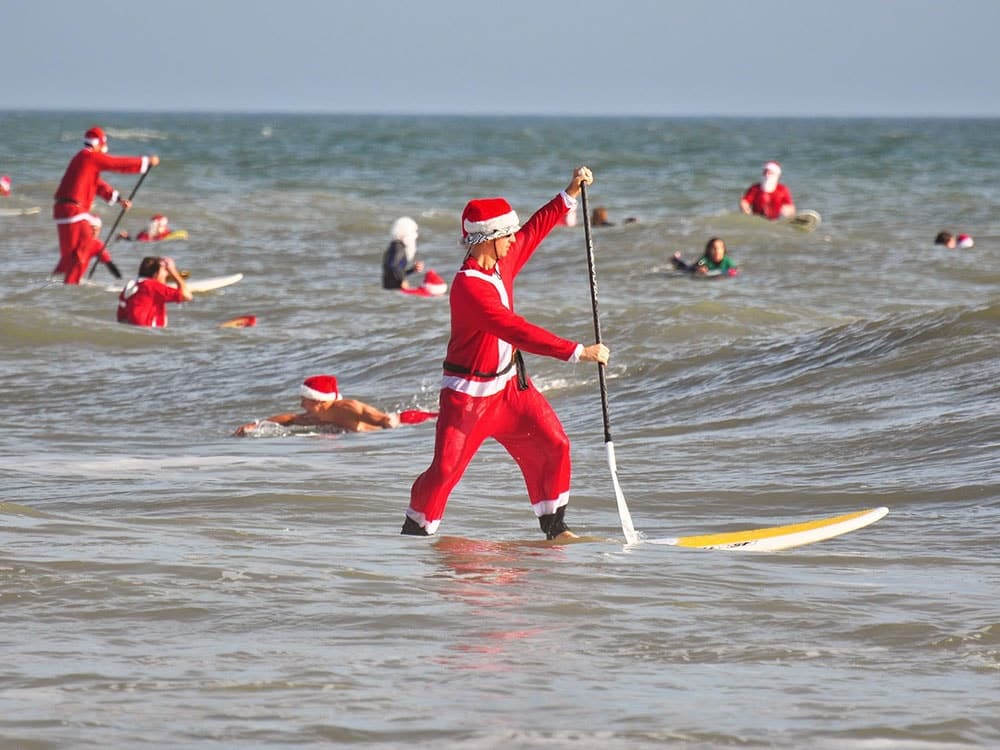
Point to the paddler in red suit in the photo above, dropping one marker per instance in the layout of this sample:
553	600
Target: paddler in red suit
769	198
485	392
80	185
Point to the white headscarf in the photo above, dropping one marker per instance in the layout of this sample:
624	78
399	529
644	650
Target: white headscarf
404	229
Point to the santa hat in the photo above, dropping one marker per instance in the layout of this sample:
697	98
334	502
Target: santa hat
95	137
772	166
963	241
4	185
486	219
434	283
320	388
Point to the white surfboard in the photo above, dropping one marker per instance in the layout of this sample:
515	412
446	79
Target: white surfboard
20	211
212	283
807	220
769	539
774	538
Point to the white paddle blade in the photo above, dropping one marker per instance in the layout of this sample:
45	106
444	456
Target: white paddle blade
630	536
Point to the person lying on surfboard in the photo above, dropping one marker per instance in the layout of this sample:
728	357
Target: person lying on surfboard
951	241
485	392
769	198
714	261
157	229
143	301
323	406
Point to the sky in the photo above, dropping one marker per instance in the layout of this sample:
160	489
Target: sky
583	57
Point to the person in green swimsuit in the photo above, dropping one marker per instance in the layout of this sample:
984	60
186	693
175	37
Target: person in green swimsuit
714	262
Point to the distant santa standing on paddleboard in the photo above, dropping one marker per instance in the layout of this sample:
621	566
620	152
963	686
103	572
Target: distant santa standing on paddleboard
76	193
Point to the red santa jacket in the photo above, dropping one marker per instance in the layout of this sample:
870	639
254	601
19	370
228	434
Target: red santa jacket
82	181
484	328
143	302
767	204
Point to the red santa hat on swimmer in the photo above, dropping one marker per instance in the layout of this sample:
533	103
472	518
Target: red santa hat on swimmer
964	241
486	219
5	185
434	284
772	166
95	138
320	388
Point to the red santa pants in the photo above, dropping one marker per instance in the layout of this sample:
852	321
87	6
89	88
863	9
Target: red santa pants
523	422
77	246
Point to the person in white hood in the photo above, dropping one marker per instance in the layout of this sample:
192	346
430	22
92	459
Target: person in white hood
398	261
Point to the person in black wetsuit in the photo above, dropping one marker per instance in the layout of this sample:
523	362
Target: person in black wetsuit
398	260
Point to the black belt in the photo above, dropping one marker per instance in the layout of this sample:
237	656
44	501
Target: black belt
67	200
516	361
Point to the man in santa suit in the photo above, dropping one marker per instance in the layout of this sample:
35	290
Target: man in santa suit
80	185
768	198
484	391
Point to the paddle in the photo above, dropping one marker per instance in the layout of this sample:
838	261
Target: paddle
110	264
630	536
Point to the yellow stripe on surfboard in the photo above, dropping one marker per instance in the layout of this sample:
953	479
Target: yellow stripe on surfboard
775	538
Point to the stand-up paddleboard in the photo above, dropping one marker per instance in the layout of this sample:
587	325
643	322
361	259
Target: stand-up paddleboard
20	211
433	286
776	538
769	539
807	220
211	283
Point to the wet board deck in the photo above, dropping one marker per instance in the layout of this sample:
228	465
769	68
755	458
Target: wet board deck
20	211
212	283
195	285
242	321
806	220
768	539
774	538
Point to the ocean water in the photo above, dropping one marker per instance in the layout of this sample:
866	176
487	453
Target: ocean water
164	584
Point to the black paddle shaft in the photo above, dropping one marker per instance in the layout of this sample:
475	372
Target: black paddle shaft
597	319
111	266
